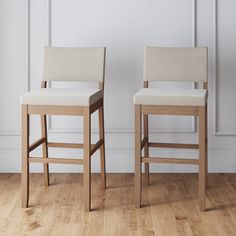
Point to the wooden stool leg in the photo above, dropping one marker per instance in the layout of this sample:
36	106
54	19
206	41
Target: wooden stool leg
45	148
202	157
102	148
138	169
206	146
146	148
25	155
87	161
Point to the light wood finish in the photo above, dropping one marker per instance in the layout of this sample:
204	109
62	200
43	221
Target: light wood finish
206	148
170	160
171	206
55	160
144	142
45	148
174	145
37	143
138	169
102	146
96	146
89	149
87	161
94	107
205	86
146	147
145	110
65	145
25	156
70	73
55	110
202	157
62	110
170	110
45	144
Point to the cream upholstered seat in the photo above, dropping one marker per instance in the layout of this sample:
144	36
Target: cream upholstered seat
62	96
173	97
171	64
66	64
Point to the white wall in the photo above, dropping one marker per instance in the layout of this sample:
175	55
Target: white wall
124	27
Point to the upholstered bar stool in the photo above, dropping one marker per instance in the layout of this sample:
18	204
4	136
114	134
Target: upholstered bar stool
66	64
171	64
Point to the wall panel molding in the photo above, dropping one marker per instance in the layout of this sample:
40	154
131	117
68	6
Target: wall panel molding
17	132
216	132
193	127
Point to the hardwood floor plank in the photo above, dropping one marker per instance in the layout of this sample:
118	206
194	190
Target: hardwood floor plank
170	206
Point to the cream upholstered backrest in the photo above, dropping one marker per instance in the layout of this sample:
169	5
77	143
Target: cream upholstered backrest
172	64
74	64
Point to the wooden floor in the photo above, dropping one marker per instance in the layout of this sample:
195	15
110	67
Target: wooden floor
170	206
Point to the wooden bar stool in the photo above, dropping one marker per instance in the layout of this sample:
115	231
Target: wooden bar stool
172	64
66	64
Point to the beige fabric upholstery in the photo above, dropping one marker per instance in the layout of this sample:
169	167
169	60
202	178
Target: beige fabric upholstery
74	64
171	64
62	97
174	97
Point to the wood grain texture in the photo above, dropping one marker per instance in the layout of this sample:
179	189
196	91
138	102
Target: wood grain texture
171	206
87	160
202	157
45	148
45	144
102	146
146	147
170	110
138	164
25	155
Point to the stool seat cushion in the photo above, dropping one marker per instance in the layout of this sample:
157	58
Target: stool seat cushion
173	97
62	96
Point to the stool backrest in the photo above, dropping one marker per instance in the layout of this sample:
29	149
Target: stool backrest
175	64
74	64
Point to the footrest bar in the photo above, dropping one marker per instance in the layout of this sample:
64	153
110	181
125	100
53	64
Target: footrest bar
55	160
174	145
65	145
36	144
170	160
144	141
96	146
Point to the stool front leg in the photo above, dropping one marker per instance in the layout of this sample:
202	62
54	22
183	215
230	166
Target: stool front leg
45	148
138	173
87	161
202	157
25	156
206	121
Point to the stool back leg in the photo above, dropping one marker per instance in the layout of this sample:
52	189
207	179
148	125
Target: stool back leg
87	161
146	148
45	148
138	166
202	157
206	146
25	156
102	148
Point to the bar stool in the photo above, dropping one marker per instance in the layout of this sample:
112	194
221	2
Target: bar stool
171	64
66	64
